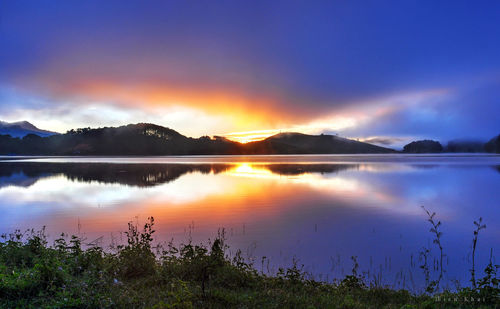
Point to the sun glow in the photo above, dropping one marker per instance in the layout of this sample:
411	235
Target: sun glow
250	136
250	170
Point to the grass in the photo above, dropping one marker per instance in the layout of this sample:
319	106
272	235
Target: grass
34	274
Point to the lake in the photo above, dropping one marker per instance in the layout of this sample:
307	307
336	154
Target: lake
316	210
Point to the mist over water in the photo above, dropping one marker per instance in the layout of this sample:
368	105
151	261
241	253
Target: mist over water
318	210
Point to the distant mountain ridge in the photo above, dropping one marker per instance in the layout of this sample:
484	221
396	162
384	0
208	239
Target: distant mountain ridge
151	139
465	145
23	138
454	146
21	129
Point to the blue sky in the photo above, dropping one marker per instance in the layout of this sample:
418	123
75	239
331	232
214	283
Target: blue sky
392	70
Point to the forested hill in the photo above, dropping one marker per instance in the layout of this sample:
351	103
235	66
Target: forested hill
297	143
150	139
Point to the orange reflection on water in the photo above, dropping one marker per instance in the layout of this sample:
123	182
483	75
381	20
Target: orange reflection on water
219	197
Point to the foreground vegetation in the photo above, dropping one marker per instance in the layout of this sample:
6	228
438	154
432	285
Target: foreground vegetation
67	274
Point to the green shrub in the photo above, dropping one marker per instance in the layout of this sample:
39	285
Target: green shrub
66	275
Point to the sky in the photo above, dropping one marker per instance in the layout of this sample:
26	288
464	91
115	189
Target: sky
386	72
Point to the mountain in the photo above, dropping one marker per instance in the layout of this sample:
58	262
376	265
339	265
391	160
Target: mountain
462	145
493	145
21	129
423	146
149	139
298	143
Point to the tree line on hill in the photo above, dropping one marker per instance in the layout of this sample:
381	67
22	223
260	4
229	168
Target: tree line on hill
145	139
150	139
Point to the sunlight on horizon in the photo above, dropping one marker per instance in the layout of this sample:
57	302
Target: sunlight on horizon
251	136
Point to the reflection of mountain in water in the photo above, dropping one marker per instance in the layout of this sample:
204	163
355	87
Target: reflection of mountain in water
300	169
142	175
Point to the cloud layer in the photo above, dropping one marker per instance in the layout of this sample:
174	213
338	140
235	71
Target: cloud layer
372	69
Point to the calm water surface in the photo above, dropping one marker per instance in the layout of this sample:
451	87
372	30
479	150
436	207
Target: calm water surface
317	210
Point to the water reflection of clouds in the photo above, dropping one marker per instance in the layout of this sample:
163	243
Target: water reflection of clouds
60	191
361	182
394	188
75	187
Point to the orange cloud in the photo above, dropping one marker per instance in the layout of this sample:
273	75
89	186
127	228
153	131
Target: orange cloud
237	114
243	112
